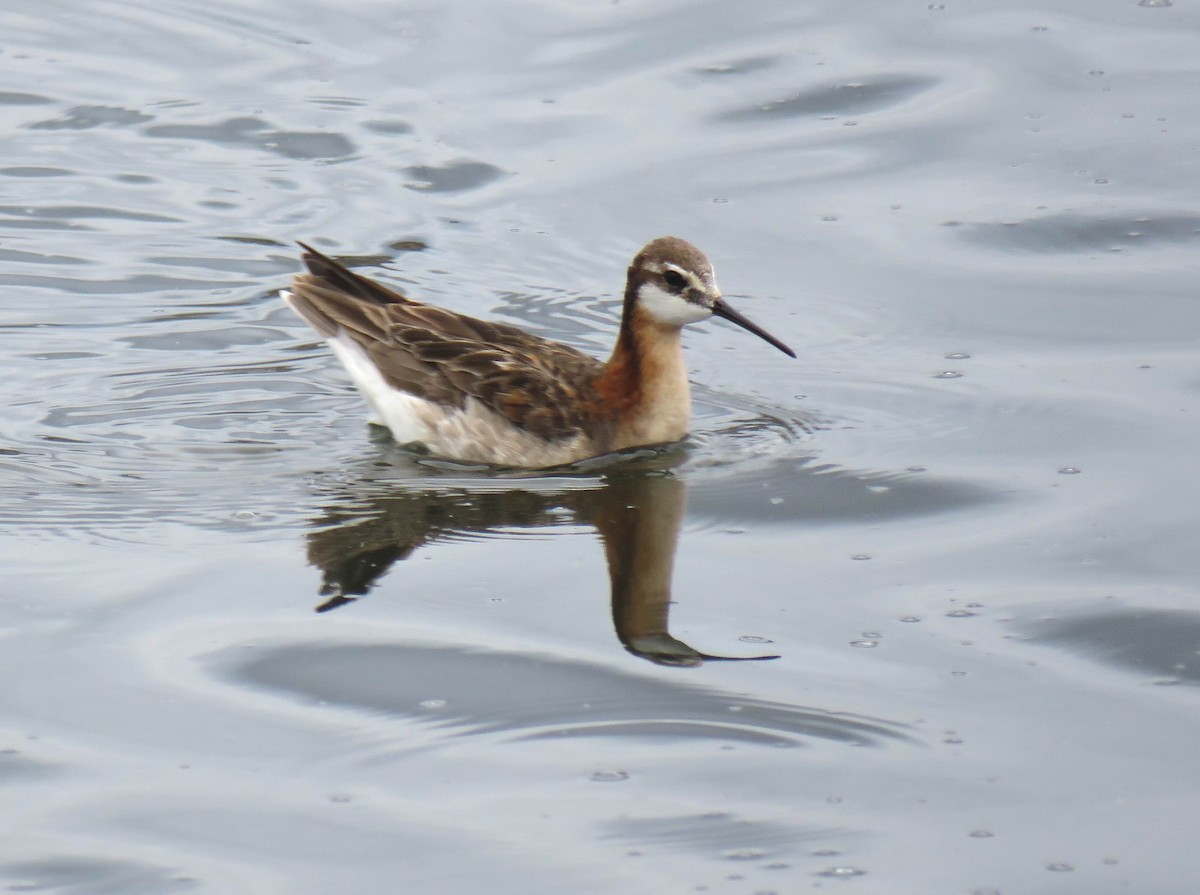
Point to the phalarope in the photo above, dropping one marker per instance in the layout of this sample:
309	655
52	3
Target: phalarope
487	392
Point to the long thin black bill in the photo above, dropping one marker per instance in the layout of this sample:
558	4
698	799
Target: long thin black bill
720	309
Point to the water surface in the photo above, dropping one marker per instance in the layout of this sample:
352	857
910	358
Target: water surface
962	520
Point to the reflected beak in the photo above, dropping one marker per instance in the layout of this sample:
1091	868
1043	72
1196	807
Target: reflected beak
720	309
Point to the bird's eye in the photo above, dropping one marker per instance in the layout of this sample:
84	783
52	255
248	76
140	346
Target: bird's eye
674	279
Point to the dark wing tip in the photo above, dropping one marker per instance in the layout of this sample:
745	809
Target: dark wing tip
337	275
318	265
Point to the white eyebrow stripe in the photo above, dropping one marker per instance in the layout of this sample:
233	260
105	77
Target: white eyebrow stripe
689	275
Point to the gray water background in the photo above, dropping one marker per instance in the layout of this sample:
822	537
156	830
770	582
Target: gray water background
965	518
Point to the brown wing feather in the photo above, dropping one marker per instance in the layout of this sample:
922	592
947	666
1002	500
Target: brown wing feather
542	386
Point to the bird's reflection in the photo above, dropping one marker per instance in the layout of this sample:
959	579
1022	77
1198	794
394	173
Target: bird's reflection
637	508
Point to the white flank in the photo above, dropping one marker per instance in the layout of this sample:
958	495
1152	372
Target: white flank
668	308
401	412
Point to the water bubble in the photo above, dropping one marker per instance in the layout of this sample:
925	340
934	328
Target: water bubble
1059	867
609	776
958	674
1095	73
909	619
981	834
865	644
1039	28
1070	470
340	798
936	7
752	638
1100	180
985	892
829	217
1159	4
871	635
720	201
960	613
948	374
744	854
861	556
432	703
953	741
245	515
957	355
776	501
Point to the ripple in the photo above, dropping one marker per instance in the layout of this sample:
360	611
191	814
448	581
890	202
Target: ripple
489	692
388	127
81	118
256	132
738	66
457	176
1074	232
12	98
133	285
13	255
83	212
16	768
35	171
745	461
847	98
720	833
111	455
74	873
1147	642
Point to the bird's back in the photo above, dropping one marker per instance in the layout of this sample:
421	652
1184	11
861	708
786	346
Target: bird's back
404	355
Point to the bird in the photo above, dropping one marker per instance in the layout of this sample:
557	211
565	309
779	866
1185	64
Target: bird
484	392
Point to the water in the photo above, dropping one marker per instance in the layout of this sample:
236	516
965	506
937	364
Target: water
515	682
